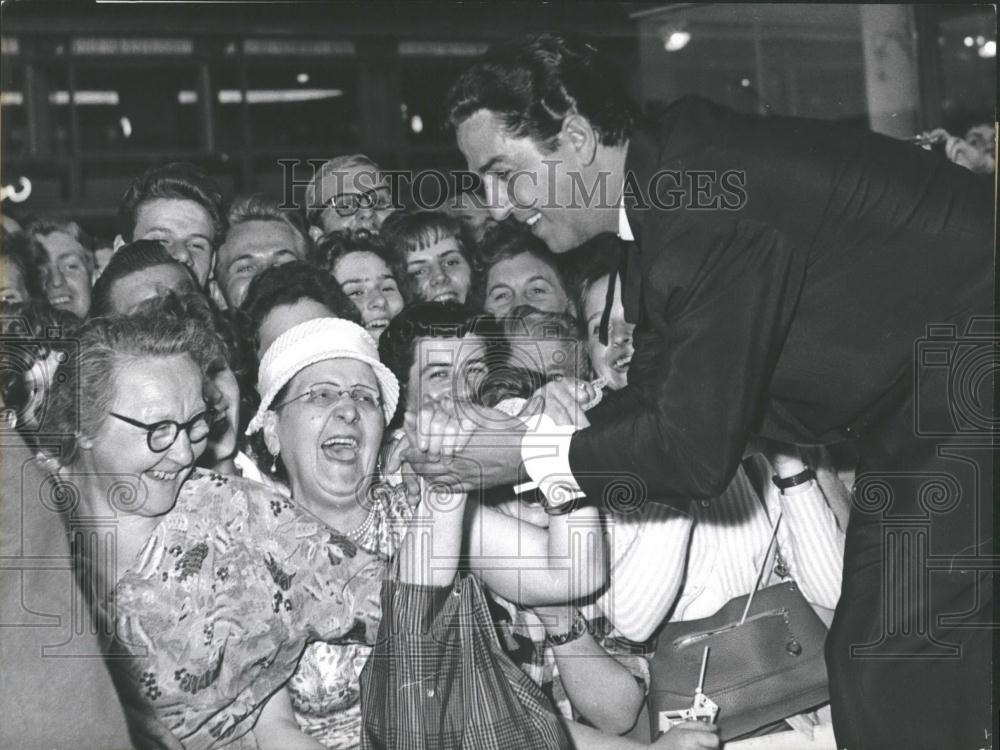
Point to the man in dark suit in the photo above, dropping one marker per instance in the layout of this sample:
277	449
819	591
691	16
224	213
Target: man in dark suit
791	279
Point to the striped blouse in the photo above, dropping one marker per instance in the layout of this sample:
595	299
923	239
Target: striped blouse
671	565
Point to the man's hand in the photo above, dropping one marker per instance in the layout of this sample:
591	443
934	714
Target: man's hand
474	446
562	400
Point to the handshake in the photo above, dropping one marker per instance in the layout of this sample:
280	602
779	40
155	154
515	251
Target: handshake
475	446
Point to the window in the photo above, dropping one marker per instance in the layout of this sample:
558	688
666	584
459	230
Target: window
300	106
133	108
967	42
805	60
13	117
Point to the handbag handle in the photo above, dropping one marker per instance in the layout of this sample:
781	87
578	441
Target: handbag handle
762	567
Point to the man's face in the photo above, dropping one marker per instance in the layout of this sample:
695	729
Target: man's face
533	186
446	368
67	277
128	292
185	229
364	200
250	248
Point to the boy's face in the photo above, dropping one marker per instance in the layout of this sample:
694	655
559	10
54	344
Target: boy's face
252	247
67	276
524	279
184	227
609	361
446	368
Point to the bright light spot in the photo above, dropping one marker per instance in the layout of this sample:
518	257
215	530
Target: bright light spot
302	78
968	41
745	83
126	126
417	124
989	49
980	40
276	96
676	40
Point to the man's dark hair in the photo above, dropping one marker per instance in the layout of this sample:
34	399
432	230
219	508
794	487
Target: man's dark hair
532	83
437	320
174	181
134	257
287	284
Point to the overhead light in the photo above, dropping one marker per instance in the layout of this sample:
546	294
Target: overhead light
126	126
302	78
968	41
675	40
989	49
745	83
417	124
980	40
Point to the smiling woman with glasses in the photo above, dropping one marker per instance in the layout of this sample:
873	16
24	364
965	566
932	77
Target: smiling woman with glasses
211	584
161	435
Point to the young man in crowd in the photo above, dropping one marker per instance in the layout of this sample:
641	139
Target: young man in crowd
137	272
261	235
179	206
66	255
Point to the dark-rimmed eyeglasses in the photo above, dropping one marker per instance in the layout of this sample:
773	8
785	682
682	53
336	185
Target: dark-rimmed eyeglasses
325	395
161	435
348	204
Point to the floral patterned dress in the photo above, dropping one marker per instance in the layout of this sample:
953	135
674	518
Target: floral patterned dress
325	690
222	600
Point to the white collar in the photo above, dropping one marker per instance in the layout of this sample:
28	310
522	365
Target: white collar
624	228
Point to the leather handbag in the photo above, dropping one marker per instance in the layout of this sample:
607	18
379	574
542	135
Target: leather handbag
759	672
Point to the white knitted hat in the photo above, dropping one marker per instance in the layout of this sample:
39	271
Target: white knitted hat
315	341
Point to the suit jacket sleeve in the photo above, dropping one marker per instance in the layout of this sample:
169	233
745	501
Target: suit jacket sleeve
721	300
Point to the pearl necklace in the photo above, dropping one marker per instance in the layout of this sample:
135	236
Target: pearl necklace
366	525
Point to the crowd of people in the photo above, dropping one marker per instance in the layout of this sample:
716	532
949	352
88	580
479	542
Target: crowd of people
247	391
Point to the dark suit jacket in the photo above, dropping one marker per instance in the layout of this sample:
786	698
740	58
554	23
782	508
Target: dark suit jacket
793	314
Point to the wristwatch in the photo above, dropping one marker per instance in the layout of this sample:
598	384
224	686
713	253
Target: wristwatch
577	630
787	483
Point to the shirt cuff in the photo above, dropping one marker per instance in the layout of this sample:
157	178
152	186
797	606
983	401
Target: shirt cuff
545	455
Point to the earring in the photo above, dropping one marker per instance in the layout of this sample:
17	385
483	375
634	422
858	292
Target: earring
274	463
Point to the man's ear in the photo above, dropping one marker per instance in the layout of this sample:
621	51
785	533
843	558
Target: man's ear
580	135
119	241
315	232
84	443
270	430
